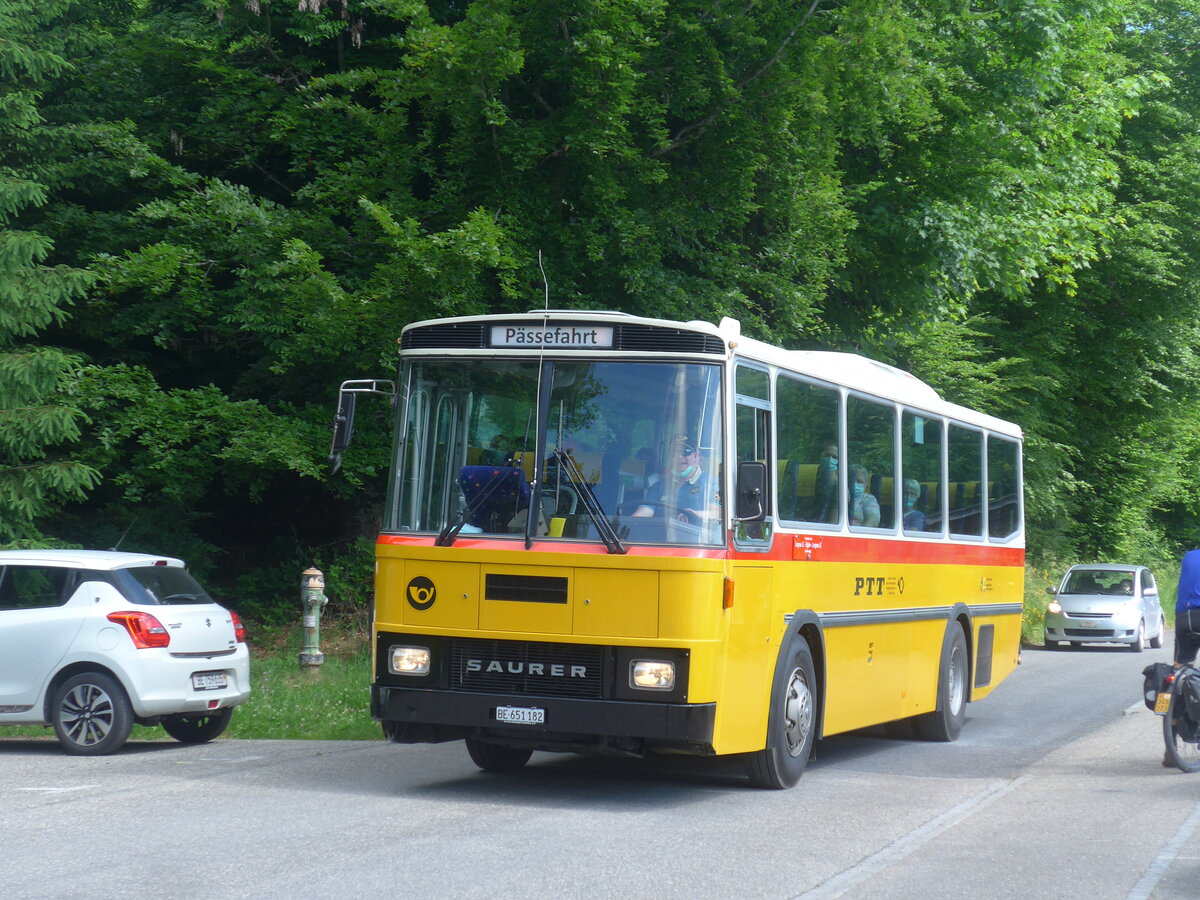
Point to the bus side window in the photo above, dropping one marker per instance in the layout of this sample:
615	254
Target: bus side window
1003	496
871	447
966	472
808	423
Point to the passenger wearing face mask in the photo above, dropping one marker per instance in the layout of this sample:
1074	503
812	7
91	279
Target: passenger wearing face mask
914	519
684	493
826	485
864	507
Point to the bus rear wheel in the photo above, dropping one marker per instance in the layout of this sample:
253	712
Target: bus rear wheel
496	757
791	727
945	722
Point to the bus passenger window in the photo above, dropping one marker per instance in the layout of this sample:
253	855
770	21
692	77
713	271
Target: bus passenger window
965	487
807	470
921	461
870	449
1004	499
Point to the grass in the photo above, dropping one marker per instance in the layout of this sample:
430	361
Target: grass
289	702
328	702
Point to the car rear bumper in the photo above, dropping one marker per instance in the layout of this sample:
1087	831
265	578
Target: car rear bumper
160	684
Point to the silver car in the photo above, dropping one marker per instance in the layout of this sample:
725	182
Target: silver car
1105	603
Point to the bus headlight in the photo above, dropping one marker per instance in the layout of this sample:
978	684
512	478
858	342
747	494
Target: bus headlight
652	674
409	661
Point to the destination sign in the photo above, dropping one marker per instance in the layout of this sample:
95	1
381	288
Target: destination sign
552	336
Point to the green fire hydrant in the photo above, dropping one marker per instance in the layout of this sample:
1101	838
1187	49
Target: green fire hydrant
312	599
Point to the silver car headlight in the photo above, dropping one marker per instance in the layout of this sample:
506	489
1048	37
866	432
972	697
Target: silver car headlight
1054	607
408	660
652	674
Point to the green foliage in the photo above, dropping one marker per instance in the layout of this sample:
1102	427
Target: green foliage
38	416
212	212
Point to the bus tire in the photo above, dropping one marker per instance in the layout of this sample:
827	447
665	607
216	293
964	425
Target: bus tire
945	722
791	725
496	757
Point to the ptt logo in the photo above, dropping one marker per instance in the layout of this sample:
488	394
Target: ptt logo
867	586
421	593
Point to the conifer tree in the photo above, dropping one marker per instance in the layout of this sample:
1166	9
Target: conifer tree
37	418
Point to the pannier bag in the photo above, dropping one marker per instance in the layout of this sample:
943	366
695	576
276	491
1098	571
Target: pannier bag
1154	682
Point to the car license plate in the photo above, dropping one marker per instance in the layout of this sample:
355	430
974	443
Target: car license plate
1161	703
521	715
209	681
1087	623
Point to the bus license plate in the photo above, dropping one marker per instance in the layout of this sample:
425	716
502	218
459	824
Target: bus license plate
1161	703
521	715
209	681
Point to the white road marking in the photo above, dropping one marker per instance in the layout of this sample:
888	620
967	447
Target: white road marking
1169	854
57	790
914	840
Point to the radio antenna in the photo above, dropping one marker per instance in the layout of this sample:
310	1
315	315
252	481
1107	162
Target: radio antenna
121	539
545	283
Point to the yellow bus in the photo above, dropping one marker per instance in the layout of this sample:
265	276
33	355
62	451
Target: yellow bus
612	534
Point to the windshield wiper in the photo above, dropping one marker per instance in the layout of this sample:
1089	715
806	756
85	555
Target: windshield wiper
568	466
447	535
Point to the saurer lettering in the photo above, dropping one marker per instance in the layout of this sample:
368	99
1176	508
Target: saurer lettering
511	667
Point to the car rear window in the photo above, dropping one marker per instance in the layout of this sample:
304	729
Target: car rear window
160	586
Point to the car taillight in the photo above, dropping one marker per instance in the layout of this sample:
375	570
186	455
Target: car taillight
145	630
239	630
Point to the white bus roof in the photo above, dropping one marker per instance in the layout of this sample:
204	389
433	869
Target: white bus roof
851	370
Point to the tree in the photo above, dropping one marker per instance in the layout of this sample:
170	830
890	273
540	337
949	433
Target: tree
38	416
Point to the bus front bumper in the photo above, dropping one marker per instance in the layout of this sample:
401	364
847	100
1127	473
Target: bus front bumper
430	716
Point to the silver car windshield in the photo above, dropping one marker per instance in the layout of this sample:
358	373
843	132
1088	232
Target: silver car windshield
1116	582
473	432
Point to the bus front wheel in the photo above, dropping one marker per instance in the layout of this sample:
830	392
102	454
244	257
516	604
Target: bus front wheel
945	722
496	757
791	726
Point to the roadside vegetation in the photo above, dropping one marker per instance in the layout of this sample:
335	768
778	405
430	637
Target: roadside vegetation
214	211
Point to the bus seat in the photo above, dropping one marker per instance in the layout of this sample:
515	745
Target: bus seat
590	463
473	455
806	480
494	494
525	461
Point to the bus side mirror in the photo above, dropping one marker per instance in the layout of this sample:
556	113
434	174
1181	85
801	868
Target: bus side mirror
751	491
343	427
343	421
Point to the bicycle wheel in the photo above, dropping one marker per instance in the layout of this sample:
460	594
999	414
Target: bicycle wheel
1181	734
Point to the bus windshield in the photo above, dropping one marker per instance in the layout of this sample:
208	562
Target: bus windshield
637	442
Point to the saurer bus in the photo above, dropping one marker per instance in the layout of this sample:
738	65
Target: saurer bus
621	535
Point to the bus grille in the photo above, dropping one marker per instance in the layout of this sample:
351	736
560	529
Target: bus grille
464	336
525	667
527	588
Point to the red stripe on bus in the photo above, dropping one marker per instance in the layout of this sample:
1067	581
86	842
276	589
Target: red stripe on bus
556	546
814	547
851	548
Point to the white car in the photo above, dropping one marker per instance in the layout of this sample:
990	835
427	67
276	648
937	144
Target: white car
93	641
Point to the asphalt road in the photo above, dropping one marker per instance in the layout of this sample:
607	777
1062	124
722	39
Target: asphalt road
1055	789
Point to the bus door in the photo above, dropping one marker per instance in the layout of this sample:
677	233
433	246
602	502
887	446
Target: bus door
750	660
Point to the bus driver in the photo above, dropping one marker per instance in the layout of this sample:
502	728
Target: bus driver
683	494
